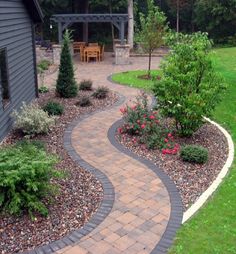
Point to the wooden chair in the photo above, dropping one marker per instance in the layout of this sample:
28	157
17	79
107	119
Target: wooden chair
101	55
93	44
92	54
82	53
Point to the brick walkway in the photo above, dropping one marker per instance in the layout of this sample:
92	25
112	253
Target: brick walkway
142	208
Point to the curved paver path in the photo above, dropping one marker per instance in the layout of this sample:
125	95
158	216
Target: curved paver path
142	206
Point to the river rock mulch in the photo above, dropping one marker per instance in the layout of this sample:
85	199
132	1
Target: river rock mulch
191	179
80	192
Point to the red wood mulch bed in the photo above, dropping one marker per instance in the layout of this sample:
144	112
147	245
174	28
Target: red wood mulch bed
191	179
80	192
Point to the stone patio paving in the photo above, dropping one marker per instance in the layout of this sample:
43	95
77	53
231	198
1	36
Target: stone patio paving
142	206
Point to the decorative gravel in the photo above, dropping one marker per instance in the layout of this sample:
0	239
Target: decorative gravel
191	179
80	192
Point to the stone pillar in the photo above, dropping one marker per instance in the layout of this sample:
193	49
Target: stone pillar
122	54
56	52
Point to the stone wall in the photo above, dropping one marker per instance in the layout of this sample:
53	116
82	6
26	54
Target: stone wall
122	54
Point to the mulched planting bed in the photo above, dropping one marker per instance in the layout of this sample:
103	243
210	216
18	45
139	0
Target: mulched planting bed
191	179
80	192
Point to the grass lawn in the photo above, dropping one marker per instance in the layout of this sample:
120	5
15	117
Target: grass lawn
213	229
130	78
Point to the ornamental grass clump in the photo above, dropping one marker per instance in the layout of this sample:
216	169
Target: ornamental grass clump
194	154
86	85
25	179
190	88
85	101
101	92
32	120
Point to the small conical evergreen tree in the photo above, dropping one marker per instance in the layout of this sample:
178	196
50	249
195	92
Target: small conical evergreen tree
66	86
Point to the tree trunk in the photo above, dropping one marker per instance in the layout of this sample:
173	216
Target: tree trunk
131	23
177	16
85	25
149	63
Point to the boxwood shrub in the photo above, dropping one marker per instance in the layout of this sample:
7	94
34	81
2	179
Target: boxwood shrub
194	154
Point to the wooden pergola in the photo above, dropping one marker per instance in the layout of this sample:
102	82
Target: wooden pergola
65	20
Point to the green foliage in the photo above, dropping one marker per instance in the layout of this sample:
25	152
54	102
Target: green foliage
152	29
203	233
86	85
66	86
43	65
217	17
85	101
101	92
32	120
189	88
194	154
146	125
43	89
135	117
25	177
53	108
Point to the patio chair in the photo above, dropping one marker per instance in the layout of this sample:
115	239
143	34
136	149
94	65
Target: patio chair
101	55
92	54
93	44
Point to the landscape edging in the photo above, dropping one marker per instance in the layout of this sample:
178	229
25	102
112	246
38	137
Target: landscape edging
213	187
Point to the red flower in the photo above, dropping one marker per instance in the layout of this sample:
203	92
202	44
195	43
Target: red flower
143	126
120	130
123	110
152	117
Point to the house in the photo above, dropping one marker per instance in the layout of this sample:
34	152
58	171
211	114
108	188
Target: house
18	73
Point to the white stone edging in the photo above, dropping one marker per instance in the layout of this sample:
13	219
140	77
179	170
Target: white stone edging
205	195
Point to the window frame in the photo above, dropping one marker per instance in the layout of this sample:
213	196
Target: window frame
5	106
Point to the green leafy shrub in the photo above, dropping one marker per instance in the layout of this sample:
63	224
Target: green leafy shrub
53	108
32	120
25	177
66	86
101	92
37	143
84	102
194	154
189	88
43	89
86	85
44	65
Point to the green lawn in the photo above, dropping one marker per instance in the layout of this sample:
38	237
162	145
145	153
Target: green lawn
130	78
213	229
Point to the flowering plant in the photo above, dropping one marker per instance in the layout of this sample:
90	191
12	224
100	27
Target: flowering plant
146	125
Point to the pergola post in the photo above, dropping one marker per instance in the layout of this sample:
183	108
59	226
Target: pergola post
59	32
122	33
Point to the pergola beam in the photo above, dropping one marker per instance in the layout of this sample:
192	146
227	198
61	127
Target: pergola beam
65	20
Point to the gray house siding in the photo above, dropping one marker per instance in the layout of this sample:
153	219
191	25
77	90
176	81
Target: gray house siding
16	35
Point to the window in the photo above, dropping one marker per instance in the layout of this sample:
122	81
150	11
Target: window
4	83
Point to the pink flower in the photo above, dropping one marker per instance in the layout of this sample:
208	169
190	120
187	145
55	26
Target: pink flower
123	110
166	140
143	126
138	121
144	116
169	135
152	117
120	130
134	107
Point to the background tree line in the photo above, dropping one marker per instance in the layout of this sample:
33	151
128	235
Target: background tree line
217	17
